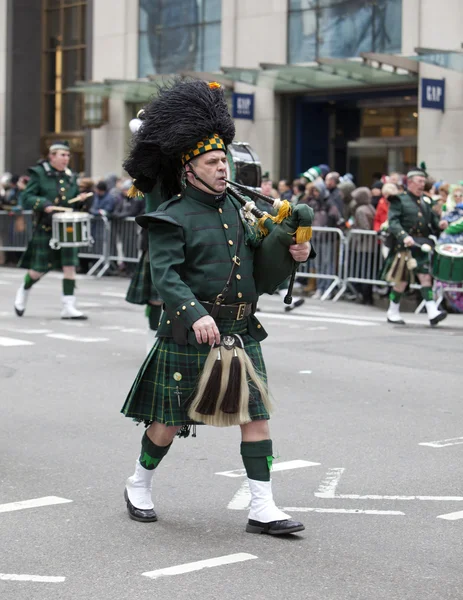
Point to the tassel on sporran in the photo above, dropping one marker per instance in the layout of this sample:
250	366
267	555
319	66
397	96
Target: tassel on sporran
222	396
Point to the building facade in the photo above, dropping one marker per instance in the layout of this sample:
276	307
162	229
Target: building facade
365	87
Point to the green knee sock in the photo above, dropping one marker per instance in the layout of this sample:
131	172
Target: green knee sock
28	281
395	296
151	455
153	312
68	287
426	293
257	459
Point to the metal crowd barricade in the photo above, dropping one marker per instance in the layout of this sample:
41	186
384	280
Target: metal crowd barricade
329	245
124	240
363	260
100	230
15	230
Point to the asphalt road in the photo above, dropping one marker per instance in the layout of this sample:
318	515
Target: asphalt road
355	399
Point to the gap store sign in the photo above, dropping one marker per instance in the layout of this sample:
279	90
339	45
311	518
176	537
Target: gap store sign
433	93
243	106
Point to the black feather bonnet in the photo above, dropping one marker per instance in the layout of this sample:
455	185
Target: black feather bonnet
182	114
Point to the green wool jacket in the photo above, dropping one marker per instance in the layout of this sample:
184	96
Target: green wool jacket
48	186
192	240
411	215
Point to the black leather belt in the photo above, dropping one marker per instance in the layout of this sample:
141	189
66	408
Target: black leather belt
230	311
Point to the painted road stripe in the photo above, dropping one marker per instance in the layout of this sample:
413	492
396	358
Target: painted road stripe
201	564
377	497
455	516
76	338
344	511
242	499
35	503
5	341
305	372
283	466
346	321
328	486
443	443
35	578
27	331
113	294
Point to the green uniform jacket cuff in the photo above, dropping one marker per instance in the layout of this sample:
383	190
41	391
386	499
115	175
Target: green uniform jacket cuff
39	203
190	311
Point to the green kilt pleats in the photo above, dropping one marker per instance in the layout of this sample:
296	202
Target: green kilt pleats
40	257
168	378
423	265
141	289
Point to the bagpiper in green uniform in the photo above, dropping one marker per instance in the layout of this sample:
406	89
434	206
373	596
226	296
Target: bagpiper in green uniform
411	222
206	365
51	184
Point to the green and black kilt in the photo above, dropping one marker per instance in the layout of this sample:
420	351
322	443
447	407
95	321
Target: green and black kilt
141	289
40	257
422	259
156	395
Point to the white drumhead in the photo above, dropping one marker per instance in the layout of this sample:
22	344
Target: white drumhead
70	217
451	250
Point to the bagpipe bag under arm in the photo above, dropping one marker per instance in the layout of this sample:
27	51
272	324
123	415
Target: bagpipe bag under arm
273	262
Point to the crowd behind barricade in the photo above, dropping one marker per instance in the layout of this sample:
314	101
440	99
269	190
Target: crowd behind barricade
338	203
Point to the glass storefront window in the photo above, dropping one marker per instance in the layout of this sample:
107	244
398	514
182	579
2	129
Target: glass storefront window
179	35
384	122
342	28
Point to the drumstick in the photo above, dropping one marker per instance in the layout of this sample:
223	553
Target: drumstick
77	199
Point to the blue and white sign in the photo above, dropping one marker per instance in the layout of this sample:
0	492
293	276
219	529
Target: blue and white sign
243	106
433	93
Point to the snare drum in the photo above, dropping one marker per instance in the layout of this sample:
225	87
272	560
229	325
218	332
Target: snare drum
70	230
447	263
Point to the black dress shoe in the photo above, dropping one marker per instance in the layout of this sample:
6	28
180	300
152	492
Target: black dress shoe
274	527
440	317
139	514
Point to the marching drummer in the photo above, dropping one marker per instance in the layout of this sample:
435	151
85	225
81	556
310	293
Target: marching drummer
411	222
50	188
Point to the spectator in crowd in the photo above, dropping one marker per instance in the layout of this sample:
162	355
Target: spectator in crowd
312	197
388	189
324	170
311	175
103	203
284	189
346	187
364	248
334	194
125	206
86	186
376	192
443	191
298	192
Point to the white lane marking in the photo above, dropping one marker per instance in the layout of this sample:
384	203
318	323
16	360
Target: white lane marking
90	304
5	341
344	511
283	466
305	372
346	321
35	578
113	294
328	486
27	331
200	564
455	516
377	497
316	328
76	338
242	499
34	503
5	282
443	443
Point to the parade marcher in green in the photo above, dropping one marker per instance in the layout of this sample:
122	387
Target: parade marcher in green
411	222
202	251
51	185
